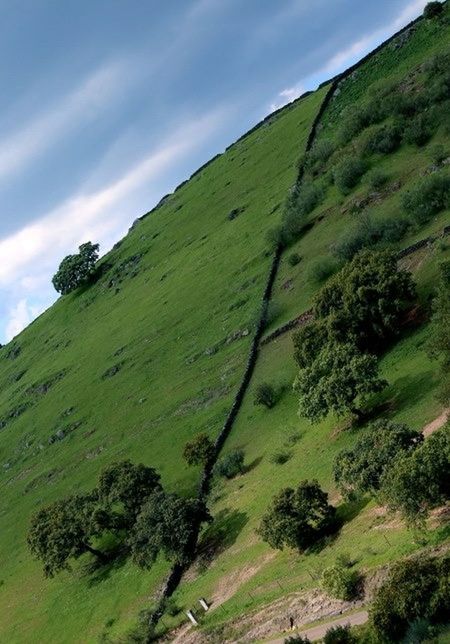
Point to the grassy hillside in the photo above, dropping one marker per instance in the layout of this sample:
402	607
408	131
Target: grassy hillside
246	573
131	368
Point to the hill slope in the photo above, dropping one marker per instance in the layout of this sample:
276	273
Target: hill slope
135	365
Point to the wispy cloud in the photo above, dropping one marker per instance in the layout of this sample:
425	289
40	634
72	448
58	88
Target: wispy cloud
85	102
286	96
30	256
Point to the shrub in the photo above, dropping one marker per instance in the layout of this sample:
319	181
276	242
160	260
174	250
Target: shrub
370	232
199	450
377	179
354	120
418	130
415	588
339	635
432	10
296	639
319	155
438	154
340	582
348	173
280	458
294	259
265	395
297	518
428	197
76	270
231	465
384	140
321	269
439	342
359	469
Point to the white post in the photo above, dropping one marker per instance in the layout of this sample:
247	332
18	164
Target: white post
190	614
203	604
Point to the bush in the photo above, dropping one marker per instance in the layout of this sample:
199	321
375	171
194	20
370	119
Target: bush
297	518
199	450
432	10
339	635
348	173
384	140
354	120
428	197
439	341
265	395
322	268
231	465
438	154
415	589
280	458
369	233
418	130
294	259
296	639
319	155
340	582
377	179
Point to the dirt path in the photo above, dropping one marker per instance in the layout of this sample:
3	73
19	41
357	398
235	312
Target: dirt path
317	632
437	423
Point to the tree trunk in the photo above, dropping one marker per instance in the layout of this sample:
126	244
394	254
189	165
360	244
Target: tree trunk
100	555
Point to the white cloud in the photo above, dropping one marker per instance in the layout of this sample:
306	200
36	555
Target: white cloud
30	255
83	103
19	316
286	96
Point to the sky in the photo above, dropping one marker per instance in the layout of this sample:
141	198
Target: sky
106	105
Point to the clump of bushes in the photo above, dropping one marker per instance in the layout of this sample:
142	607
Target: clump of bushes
370	232
231	465
280	458
418	130
428	197
438	154
433	10
294	259
348	173
340	582
322	268
377	179
384	140
319	155
265	395
415	589
339	635
199	450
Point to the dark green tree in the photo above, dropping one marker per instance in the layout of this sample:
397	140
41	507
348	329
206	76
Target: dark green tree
340	380
167	524
365	300
339	635
125	487
231	465
77	269
340	582
415	588
265	395
309	340
439	344
64	530
297	518
360	468
199	450
419	481
433	9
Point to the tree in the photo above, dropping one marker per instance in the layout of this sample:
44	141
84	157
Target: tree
167	524
199	450
340	582
308	341
360	468
297	518
231	465
340	380
432	10
63	530
419	481
76	270
265	395
339	635
439	345
365	300
127	486
415	588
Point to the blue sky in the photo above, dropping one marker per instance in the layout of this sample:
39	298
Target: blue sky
106	105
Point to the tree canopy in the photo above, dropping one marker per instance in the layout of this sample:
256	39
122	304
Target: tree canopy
439	344
297	518
167	524
360	468
77	269
340	379
199	450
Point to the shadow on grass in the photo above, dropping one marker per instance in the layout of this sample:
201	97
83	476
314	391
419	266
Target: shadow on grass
220	535
349	510
251	466
411	388
98	570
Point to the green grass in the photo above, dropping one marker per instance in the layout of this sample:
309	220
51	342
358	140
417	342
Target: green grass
199	280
